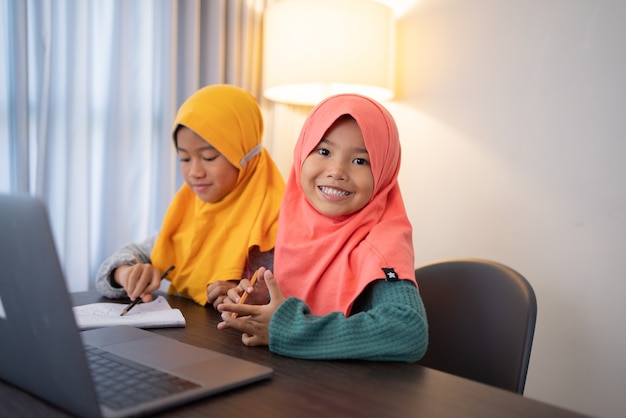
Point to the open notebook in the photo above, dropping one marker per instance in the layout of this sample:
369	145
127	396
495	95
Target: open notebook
155	314
44	353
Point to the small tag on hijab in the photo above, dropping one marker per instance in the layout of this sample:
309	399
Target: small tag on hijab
390	274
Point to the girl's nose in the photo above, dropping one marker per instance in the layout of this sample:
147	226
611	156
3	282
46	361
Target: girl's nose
336	170
196	170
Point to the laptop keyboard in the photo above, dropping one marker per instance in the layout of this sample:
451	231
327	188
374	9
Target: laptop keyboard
122	383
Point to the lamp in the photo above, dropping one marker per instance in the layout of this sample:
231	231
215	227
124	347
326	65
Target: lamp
317	48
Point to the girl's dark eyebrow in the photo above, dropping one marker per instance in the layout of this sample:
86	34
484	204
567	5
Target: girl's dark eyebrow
203	148
359	150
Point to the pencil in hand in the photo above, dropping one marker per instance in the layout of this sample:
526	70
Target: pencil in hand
138	299
243	297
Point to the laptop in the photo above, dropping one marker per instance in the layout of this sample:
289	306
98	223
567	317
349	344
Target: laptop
44	353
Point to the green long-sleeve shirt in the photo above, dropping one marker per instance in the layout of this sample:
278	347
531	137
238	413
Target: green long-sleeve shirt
387	322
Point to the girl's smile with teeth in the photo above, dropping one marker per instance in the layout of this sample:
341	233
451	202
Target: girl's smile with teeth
333	191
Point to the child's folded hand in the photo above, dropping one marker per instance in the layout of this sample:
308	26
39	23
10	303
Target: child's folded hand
217	291
253	320
257	293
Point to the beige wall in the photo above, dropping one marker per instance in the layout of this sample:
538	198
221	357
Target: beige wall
513	123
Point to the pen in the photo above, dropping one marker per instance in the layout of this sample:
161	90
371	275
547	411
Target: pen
243	298
138	299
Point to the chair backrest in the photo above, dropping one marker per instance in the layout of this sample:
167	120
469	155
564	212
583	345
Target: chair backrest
481	320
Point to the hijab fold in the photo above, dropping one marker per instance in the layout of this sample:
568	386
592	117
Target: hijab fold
328	261
209	242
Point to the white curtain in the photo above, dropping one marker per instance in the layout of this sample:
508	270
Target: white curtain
88	92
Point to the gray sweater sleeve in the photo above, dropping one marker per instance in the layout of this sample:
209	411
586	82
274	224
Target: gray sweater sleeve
130	254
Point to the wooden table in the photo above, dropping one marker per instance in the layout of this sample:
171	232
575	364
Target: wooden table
308	388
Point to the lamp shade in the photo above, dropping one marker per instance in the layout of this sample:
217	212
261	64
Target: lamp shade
317	48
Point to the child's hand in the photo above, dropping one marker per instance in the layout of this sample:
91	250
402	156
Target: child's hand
216	292
139	280
257	294
253	320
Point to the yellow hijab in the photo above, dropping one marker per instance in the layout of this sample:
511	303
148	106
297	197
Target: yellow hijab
209	242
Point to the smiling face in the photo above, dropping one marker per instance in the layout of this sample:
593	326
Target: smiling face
336	176
207	172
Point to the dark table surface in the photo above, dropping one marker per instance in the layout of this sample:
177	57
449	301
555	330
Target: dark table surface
312	388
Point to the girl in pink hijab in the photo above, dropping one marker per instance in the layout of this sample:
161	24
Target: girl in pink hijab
344	284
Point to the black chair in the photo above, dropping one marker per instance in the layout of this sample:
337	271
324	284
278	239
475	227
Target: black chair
481	320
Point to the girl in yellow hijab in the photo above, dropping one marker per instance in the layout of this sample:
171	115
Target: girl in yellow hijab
222	223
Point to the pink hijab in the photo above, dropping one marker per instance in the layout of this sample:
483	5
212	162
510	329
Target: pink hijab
327	262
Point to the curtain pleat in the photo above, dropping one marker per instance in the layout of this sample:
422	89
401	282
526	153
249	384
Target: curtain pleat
15	104
87	98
